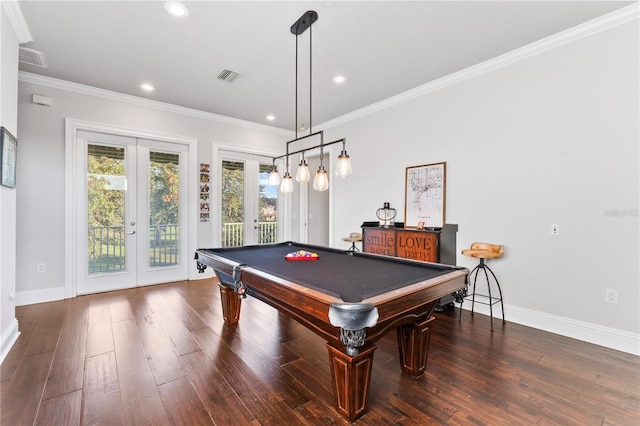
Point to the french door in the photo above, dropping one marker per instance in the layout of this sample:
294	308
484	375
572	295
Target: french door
249	206
132	215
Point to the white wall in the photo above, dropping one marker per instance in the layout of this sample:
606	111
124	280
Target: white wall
8	119
549	139
41	168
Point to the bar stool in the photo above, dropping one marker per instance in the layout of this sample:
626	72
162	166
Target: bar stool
353	238
484	251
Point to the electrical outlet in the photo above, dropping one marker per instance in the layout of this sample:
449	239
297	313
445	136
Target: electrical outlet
611	296
41	267
555	229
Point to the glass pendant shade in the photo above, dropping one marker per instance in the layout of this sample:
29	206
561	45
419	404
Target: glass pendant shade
321	181
303	175
287	184
343	168
274	177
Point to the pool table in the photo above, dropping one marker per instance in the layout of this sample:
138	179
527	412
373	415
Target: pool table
349	299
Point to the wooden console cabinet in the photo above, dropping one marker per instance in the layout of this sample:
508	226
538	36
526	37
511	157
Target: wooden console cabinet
426	245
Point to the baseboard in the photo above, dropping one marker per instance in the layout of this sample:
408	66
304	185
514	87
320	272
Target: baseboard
39	296
597	334
9	337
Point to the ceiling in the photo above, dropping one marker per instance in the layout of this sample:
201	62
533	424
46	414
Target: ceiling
383	47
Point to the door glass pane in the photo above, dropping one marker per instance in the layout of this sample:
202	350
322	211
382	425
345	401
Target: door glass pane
106	182
164	209
268	208
232	213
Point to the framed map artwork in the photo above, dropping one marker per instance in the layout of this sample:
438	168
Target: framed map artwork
425	196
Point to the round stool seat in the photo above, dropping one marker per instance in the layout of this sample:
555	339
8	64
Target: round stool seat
353	238
482	254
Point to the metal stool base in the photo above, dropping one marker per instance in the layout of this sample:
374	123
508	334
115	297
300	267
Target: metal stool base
490	300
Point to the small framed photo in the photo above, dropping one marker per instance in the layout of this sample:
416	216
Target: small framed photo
8	157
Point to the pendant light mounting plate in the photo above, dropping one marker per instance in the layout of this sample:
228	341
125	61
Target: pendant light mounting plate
304	22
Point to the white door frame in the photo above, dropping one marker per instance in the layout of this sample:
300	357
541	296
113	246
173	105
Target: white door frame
283	200
72	191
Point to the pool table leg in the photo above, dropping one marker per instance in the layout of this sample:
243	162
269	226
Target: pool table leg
231	303
351	377
413	344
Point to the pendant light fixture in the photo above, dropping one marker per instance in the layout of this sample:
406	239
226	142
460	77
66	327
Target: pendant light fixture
321	180
343	168
302	175
274	177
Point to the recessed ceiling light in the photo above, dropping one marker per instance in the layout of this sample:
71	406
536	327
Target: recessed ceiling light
339	79
271	117
176	9
147	87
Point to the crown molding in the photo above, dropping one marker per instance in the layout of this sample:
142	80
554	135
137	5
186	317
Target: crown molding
610	20
19	24
55	83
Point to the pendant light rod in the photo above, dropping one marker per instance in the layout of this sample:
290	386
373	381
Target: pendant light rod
310	79
296	103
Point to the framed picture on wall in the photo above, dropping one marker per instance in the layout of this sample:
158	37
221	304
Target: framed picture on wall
8	157
425	196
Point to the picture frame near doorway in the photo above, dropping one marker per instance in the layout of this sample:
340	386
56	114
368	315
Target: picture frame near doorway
8	158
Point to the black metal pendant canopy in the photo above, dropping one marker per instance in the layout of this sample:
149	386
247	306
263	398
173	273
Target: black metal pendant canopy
304	22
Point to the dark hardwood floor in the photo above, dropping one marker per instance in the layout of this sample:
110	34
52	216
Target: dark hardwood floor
162	355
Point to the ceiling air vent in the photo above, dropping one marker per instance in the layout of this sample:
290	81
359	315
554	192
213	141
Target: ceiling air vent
32	57
228	76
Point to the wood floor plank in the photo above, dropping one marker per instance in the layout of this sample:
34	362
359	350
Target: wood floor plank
315	380
266	405
61	410
219	398
141	403
198	294
316	412
176	330
47	332
163	360
102	401
64	375
182	403
182	310
99	332
14	357
120	309
261	351
21	396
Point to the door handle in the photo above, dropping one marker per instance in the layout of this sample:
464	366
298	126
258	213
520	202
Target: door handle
131	233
